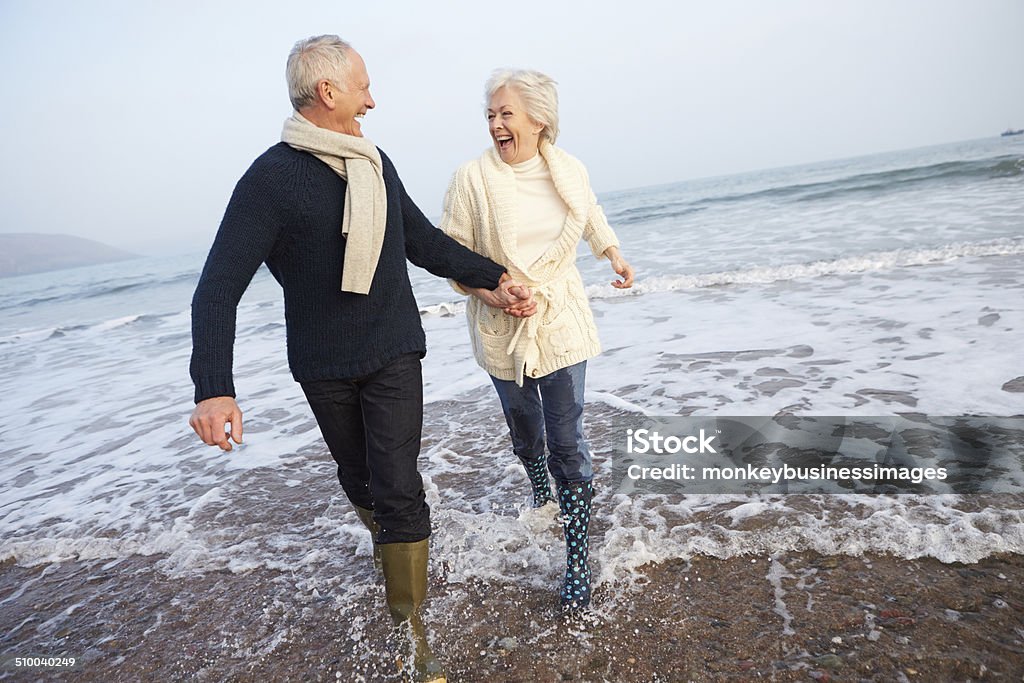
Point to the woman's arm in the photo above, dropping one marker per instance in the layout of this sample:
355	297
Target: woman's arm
603	242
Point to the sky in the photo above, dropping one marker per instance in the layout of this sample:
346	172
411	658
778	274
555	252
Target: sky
130	122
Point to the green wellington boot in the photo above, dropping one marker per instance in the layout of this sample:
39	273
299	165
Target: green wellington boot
366	517
405	582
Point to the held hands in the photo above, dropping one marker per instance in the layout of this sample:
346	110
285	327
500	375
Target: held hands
210	416
620	266
511	297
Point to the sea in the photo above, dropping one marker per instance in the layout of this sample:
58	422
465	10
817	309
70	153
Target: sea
890	284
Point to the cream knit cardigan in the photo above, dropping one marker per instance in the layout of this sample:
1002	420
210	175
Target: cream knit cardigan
480	212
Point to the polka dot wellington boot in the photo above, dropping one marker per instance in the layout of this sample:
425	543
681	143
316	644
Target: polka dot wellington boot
537	471
574	502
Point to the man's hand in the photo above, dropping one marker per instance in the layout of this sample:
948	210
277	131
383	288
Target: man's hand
209	418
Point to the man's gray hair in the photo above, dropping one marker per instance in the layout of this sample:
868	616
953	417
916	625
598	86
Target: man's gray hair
320	58
538	92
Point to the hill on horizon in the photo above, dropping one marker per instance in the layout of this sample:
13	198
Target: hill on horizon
24	253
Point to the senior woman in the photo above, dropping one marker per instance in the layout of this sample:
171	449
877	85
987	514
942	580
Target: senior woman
527	204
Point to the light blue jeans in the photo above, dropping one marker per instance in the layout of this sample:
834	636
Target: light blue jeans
552	404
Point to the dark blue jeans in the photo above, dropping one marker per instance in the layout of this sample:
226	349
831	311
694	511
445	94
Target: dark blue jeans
551	404
372	426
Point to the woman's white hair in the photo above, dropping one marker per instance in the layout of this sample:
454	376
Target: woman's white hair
320	58
538	92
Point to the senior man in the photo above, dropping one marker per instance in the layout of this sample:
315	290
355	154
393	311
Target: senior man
327	213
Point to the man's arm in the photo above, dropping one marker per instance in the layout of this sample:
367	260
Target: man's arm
431	249
248	232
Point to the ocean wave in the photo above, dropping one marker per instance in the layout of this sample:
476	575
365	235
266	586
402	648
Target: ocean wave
445	309
37	335
874	183
96	290
896	179
886	260
642	214
116	322
58	332
37	301
62	331
107	288
908	527
875	261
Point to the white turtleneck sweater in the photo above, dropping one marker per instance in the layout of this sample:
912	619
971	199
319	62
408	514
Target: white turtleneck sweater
541	210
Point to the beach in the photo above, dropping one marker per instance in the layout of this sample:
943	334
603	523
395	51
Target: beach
873	618
746	600
880	286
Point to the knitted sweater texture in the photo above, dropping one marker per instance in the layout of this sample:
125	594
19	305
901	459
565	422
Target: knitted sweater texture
286	211
480	212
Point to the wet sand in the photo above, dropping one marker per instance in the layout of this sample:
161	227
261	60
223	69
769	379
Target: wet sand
798	617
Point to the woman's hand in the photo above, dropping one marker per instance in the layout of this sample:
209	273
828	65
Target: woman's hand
621	267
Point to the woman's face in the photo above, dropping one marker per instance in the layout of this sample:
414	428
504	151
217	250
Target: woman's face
515	136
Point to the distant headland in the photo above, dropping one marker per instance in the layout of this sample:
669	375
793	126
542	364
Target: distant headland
25	253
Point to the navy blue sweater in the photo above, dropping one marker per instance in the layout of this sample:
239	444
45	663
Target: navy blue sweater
286	212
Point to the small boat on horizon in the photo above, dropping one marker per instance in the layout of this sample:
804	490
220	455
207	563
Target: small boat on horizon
1010	131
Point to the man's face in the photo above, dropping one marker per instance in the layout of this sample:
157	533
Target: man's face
351	99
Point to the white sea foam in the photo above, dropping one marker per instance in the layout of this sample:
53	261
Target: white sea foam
444	309
117	322
879	261
776	573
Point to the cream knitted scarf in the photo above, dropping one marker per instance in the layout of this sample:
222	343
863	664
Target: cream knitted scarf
366	205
